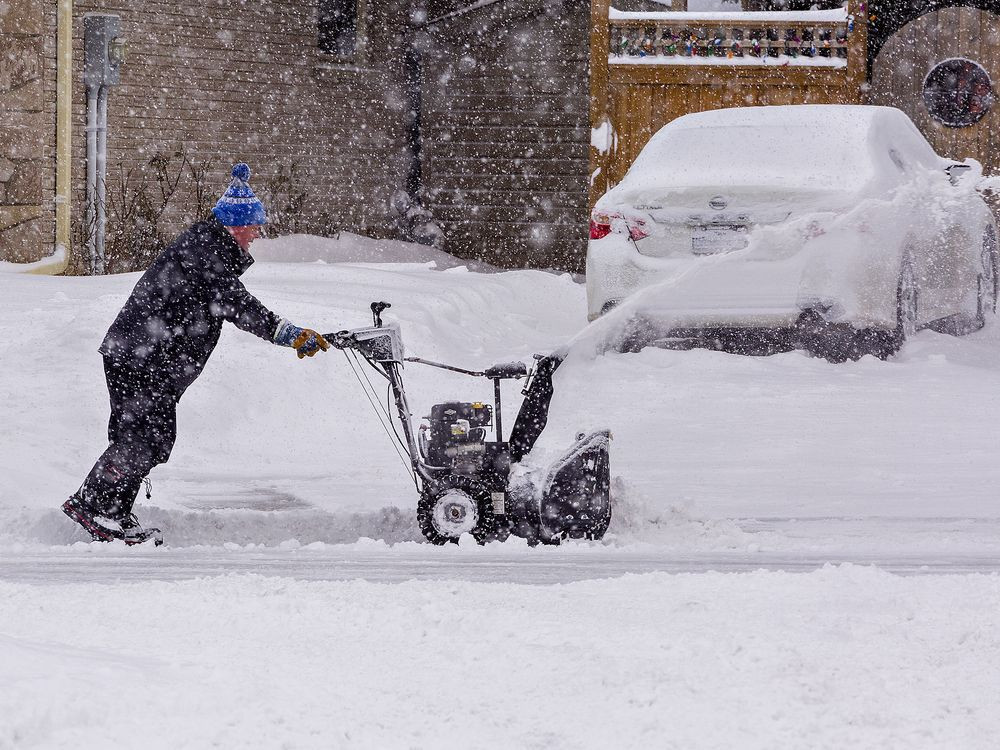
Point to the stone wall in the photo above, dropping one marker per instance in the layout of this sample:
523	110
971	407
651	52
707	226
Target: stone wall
21	131
505	121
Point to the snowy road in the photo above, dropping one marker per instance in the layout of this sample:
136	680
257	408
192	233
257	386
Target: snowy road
381	565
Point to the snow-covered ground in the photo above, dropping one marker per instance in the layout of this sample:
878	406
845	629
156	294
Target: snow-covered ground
294	607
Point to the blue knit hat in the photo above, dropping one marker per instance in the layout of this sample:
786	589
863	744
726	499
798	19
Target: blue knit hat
238	206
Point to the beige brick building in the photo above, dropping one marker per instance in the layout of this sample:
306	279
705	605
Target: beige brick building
500	159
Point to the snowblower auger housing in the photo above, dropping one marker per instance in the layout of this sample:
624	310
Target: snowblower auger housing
463	478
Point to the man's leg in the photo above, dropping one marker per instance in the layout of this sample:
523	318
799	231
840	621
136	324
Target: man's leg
141	431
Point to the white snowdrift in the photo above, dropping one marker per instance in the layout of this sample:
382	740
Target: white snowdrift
842	657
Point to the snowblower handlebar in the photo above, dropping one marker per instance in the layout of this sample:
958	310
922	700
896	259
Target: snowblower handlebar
340	339
503	371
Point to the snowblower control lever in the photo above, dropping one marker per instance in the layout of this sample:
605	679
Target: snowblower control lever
503	371
377	308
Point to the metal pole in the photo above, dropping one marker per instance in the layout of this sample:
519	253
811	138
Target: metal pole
102	175
64	129
403	408
496	395
92	179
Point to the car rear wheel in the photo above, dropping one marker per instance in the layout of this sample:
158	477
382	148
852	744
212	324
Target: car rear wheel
988	281
883	343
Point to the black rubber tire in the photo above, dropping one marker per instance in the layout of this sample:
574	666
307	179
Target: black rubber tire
636	335
875	341
988	281
489	527
992	251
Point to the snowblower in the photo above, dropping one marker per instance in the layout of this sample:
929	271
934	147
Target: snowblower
468	484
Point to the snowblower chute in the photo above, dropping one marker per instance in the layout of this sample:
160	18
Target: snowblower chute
464	480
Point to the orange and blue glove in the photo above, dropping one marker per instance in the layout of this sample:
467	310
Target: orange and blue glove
305	341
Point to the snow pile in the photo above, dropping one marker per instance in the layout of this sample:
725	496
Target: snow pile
352	248
841	657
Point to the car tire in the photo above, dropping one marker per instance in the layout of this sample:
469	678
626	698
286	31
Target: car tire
988	280
834	342
636	335
877	342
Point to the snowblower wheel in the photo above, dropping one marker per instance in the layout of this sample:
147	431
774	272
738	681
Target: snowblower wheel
459	505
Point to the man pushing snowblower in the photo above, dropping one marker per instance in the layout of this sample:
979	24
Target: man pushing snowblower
159	344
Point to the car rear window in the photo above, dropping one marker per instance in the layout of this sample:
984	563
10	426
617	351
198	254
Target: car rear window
771	156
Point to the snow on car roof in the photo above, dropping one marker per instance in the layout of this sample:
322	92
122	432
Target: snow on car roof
800	146
827	117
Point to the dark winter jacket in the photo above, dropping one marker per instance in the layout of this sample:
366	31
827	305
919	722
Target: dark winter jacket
172	321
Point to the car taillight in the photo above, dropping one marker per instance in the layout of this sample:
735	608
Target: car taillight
636	228
602	224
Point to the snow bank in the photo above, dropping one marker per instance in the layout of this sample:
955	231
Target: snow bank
842	657
352	248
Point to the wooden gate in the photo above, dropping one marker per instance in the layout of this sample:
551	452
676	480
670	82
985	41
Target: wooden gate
648	68
907	59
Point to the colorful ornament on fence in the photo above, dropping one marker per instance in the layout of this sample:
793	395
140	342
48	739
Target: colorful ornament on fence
689	48
850	23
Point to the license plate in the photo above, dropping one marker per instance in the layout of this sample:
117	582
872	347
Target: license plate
720	238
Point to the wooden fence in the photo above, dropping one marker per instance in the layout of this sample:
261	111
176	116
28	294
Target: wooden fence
648	68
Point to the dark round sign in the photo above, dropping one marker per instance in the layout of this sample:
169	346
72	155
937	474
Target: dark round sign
958	92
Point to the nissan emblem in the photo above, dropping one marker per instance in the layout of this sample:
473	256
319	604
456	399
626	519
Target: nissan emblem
718	203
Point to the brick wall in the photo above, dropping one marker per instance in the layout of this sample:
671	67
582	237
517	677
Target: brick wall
21	131
506	132
233	80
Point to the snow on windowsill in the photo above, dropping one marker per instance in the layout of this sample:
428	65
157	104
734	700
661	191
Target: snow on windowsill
838	15
782	61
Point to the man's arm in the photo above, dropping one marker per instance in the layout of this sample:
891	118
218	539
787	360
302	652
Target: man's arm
234	303
245	311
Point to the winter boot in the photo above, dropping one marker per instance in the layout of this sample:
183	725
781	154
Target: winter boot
133	533
103	527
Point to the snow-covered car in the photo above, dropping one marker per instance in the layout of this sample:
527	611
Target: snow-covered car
819	221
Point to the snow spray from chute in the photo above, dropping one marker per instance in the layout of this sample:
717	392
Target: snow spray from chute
465	482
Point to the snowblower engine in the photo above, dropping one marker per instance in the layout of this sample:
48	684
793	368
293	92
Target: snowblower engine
455	436
464	479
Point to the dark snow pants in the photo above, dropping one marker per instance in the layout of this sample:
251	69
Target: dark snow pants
141	431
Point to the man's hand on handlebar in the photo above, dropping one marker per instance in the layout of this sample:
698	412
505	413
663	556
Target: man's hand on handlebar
305	341
341	339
